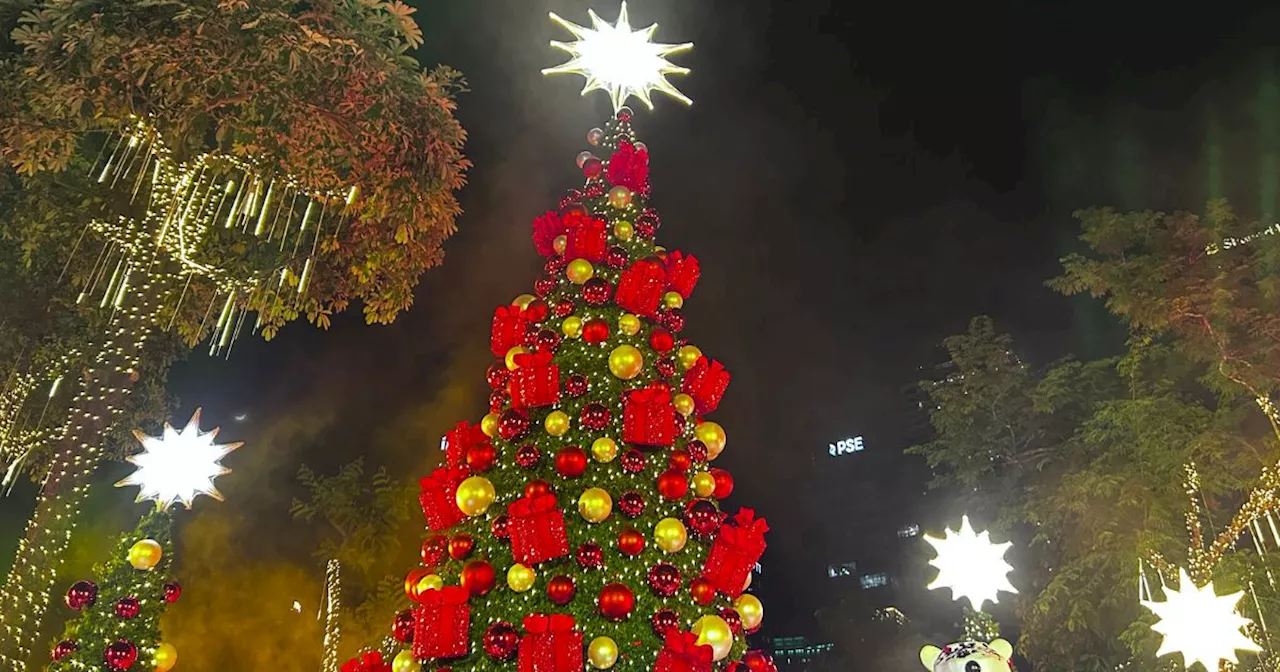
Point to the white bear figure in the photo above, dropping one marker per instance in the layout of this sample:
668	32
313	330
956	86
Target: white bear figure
969	657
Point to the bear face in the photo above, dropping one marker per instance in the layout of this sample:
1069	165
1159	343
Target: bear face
969	657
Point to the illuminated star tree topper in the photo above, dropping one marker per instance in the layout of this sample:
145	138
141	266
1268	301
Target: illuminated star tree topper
619	61
971	565
178	466
1201	625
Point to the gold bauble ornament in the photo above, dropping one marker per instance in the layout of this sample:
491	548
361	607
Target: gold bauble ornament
626	362
683	403
620	197
571	327
670	535
629	324
523	301
561	241
712	435
428	582
165	657
688	356
624	230
475	495
750	610
145	554
557	423
704	484
595	505
602	653
604	449
489	425
579	271
520	578
673	300
405	662
510	359
714	632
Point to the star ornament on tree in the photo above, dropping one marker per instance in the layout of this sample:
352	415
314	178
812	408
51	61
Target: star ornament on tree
619	61
178	466
1201	625
971	565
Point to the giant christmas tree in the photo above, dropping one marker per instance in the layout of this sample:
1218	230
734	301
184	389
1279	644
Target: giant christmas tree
579	521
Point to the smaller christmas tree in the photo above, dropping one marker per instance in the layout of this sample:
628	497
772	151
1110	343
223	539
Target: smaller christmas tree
119	624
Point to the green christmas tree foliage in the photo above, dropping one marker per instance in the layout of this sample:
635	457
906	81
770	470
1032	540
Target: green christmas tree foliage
105	624
641	517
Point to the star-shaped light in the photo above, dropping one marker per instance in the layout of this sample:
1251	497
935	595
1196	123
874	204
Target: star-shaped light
620	61
971	565
1201	625
178	466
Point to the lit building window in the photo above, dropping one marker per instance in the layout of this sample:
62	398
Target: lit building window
908	531
842	570
874	580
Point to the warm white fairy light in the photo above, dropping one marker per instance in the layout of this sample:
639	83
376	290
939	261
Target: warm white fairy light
971	565
178	465
1201	625
619	61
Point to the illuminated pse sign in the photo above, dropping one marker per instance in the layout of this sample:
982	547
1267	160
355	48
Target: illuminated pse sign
846	446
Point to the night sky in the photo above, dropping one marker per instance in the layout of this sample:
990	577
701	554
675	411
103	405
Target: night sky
857	179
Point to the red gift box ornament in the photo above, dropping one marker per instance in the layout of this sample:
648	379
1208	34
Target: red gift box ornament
640	287
735	552
535	382
551	644
508	330
546	228
458	440
369	661
648	418
681	653
682	273
439	497
706	383
441	623
537	529
586	239
629	168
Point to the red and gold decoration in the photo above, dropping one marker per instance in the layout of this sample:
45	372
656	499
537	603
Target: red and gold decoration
441	624
735	552
649	418
537	529
438	497
551	643
535	382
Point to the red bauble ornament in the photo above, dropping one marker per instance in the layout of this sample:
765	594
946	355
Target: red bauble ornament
82	594
547	341
478	577
664	621
460	546
595	330
697	451
665	367
527	456
672	484
631	504
702	518
481	456
402	627
128	607
624	114
497	375
590	556
543	287
120	655
593	168
596	291
730	616
563	308
673	320
513	424
530	338
664	579
64	648
736	666
632	461
702	591
758	661
537	311
630	542
616	257
661	340
497	399
646	229
560	590
576	385
501	641
172	591
616	601
433	550
595	416
724	483
501	527
555	266
571	462
536	488
680	461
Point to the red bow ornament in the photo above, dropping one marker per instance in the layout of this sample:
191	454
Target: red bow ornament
508	330
441	623
551	644
535	382
682	273
629	167
439	497
640	287
586	239
458	440
735	552
648	418
682	653
706	382
369	661
546	228
537	529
